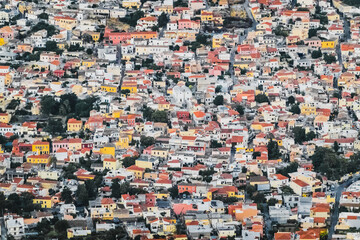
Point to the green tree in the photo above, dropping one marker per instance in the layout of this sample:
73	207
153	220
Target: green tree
43	227
146	141
51	46
203	39
240	109
128	161
163	20
82	195
295	109
316	54
115	188
336	146
61	226
218	89
66	195
49	105
44	16
299	135
215	144
329	58
273	150
310	136
291	100
293	166
159	116
174	191
272	202
261	98
55	127
219	100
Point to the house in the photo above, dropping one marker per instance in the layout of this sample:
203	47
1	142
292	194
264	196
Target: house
74	125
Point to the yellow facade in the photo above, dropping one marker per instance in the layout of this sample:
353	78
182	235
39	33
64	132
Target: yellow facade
328	44
130	4
41	147
67	23
144	164
308	109
74	125
132	88
207	16
108	150
216	41
4	117
95	36
111	164
159	152
88	63
39	159
108	88
123	142
44	202
101	214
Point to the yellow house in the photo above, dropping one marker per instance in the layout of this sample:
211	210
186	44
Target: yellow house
65	22
166	9
5	117
108	149
137	171
101	213
41	147
159	152
217	41
131	86
123	142
117	113
94	35
45	202
75	144
108	88
207	16
131	4
39	159
111	164
180	237
76	233
74	125
162	195
308	108
61	45
88	63
328	44
24	7
145	163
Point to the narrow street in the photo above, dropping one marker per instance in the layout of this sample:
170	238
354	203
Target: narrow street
242	37
335	215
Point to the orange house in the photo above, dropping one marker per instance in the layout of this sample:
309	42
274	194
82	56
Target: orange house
243	211
144	35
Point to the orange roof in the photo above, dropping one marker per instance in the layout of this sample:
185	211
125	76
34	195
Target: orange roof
199	114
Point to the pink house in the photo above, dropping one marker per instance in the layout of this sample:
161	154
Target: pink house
60	144
216	71
182	208
188	24
118	37
7	33
313	42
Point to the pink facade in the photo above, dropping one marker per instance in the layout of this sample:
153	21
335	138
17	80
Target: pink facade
60	144
118	37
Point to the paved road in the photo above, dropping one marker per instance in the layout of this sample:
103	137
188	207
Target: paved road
3	229
241	39
335	215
